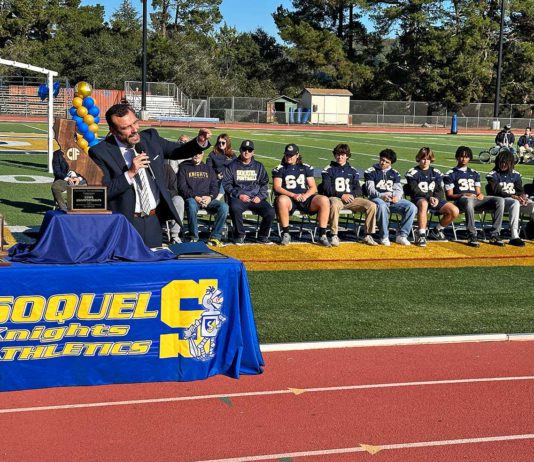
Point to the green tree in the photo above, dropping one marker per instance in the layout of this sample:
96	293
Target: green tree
518	59
318	55
185	15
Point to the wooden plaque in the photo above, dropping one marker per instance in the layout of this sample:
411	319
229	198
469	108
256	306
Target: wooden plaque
77	159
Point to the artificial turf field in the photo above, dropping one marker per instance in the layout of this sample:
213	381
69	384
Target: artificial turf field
352	292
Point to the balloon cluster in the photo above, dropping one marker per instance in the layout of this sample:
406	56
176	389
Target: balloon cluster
84	112
42	91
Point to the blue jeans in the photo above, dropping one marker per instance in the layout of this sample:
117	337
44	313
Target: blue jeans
405	208
215	207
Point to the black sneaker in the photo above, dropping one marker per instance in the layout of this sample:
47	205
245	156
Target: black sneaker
517	242
264	240
239	240
437	235
496	240
420	240
472	241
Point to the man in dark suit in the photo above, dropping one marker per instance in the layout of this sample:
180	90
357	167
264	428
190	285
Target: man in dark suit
63	178
136	182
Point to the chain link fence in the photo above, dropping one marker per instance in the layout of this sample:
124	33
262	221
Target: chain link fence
18	96
377	113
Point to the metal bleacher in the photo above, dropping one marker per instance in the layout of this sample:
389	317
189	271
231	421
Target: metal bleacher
22	101
166	102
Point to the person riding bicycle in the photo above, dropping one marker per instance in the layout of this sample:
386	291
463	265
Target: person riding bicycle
506	139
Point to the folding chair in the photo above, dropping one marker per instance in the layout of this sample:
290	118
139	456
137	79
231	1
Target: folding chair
205	224
298	222
251	222
431	216
349	220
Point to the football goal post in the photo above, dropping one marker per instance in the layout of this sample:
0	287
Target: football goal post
51	75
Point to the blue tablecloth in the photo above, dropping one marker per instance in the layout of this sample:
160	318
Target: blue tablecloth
86	238
92	324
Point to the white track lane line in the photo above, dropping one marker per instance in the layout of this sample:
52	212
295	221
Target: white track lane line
261	393
363	448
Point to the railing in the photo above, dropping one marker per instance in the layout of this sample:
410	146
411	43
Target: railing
23	101
162	99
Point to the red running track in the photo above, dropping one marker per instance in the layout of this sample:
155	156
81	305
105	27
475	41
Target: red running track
472	401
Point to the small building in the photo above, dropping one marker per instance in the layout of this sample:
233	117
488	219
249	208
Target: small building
278	109
327	105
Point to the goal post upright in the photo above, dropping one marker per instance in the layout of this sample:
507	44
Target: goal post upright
51	75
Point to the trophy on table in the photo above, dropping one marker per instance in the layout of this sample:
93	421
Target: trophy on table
91	196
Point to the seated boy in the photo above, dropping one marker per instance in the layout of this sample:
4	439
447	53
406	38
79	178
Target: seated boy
505	182
462	185
426	190
384	189
341	184
197	184
295	189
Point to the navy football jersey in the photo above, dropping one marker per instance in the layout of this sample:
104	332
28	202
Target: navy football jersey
505	184
294	177
425	183
462	180
383	181
339	180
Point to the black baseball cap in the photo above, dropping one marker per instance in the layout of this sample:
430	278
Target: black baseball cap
291	150
247	144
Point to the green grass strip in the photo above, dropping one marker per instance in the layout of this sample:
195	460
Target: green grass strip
294	306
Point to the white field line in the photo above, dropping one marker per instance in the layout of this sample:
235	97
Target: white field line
451	147
376	448
478	338
263	393
35	128
355	153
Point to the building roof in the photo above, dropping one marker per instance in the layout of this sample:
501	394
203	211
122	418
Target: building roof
328	91
293	100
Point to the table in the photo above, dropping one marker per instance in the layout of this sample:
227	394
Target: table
86	238
125	322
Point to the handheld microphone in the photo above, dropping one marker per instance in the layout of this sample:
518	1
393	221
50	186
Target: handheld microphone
139	148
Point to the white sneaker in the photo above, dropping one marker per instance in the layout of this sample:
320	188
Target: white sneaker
323	240
402	240
335	240
384	241
368	239
286	239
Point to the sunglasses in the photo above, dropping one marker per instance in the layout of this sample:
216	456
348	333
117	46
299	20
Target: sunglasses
222	143
290	154
247	150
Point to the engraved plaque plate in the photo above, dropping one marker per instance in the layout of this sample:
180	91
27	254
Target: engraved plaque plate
87	199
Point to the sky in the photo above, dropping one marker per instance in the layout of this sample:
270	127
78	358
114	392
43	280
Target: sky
244	15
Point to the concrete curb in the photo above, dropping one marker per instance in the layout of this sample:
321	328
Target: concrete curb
396	342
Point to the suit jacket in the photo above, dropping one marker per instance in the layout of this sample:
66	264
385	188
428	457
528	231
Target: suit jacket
59	165
121	195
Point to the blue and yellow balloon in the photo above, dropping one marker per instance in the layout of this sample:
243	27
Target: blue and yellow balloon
84	112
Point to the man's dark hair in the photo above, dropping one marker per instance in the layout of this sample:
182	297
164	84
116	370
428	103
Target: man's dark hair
342	148
464	150
504	157
119	110
388	154
299	160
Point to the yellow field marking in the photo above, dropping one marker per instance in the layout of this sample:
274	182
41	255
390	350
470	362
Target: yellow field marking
303	257
25	142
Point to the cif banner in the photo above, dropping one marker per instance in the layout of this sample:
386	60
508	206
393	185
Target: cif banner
125	322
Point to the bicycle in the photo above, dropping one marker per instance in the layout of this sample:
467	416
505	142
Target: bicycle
487	156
